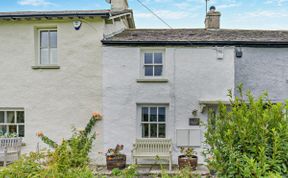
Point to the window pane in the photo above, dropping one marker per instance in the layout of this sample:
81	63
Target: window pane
10	117
153	114
3	130
162	129
44	39
145	114
21	131
148	58
12	129
20	116
148	70
158	58
53	39
153	130
145	130
53	55
161	114
2	119
158	70
44	56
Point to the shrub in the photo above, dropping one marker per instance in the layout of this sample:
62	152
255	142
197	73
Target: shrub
250	139
68	159
129	172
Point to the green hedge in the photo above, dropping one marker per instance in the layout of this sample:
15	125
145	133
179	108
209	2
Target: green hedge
249	138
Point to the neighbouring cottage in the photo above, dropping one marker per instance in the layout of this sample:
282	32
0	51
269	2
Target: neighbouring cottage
51	74
160	83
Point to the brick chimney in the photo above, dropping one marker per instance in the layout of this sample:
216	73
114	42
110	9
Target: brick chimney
212	20
119	5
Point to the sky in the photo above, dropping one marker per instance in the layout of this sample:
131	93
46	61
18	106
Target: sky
236	14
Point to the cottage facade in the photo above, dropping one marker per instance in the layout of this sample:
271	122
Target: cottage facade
51	74
158	83
59	67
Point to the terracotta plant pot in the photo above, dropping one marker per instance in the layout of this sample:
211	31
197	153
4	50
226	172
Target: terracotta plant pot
118	161
184	161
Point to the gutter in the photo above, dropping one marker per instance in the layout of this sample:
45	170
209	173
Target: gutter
283	44
104	14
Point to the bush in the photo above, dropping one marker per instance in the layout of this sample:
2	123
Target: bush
129	172
250	139
68	159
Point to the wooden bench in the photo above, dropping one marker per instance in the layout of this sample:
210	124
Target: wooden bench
10	149
151	148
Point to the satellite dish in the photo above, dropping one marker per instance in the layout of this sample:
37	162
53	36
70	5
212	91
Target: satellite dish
108	1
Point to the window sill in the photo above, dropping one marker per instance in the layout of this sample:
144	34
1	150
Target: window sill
152	80
45	67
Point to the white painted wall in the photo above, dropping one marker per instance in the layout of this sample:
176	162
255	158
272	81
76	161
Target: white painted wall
193	74
53	100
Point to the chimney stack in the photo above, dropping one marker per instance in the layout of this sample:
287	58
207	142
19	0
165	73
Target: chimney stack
212	20
119	5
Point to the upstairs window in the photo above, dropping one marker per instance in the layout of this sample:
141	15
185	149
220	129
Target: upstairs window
153	62
48	47
12	122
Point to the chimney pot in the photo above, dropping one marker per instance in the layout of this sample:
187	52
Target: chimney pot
119	5
212	20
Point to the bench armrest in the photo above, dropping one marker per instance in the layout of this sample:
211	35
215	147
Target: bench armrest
134	147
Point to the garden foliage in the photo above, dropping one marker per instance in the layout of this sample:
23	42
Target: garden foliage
68	159
248	139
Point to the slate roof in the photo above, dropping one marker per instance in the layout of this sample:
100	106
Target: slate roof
198	37
69	13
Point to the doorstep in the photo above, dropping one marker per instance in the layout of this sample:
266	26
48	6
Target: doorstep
152	170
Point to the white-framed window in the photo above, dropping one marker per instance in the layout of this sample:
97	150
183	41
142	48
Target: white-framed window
12	121
153	63
47	46
153	121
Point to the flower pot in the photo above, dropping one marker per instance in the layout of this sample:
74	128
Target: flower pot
184	161
118	161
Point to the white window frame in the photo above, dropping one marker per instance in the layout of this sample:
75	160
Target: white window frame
15	119
143	51
39	47
149	122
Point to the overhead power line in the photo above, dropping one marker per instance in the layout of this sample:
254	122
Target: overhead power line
150	10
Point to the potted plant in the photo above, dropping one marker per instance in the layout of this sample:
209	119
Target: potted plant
114	159
188	158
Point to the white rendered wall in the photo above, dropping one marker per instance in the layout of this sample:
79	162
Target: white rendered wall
54	100
193	74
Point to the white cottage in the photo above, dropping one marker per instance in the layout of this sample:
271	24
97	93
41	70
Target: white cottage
51	73
159	83
156	84
148	83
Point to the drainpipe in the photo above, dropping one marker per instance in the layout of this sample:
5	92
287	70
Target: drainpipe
173	94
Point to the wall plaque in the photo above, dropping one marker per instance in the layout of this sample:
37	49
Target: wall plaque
194	121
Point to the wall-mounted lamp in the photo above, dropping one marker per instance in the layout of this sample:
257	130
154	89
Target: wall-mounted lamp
238	52
220	53
194	112
77	25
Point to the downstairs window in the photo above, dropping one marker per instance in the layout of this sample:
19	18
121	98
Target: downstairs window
12	122
153	121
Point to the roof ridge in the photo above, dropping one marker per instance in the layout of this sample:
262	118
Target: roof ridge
212	30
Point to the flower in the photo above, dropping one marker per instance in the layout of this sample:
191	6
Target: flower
96	114
39	134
